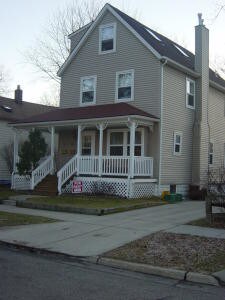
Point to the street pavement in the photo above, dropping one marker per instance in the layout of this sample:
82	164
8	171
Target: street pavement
85	235
27	276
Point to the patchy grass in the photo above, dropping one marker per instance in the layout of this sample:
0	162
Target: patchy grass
185	252
218	222
12	219
97	202
6	192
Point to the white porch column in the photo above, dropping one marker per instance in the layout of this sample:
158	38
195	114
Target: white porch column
79	130
52	148
132	143
100	149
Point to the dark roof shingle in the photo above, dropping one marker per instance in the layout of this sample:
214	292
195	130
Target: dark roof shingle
87	112
166	47
20	111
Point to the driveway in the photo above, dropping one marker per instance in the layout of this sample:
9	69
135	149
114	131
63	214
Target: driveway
83	235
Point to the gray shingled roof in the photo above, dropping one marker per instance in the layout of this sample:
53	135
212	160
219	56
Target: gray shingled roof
20	111
165	47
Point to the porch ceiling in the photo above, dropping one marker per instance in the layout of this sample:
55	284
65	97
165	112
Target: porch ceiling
109	113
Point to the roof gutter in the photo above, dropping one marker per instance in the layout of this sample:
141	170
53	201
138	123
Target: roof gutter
180	67
80	121
217	86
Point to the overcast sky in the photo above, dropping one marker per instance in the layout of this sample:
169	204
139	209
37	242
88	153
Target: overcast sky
23	20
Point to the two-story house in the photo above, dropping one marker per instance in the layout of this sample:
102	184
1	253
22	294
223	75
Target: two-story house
138	114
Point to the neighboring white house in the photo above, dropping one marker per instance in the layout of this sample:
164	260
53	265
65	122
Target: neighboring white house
138	113
12	110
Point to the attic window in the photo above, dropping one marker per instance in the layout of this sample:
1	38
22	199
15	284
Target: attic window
107	38
181	51
153	34
6	108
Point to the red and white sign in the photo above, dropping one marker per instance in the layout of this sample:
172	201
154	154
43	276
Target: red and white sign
77	186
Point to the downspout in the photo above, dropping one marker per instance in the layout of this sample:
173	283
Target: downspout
163	62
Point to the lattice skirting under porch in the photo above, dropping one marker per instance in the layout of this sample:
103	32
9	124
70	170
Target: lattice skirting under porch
21	182
114	186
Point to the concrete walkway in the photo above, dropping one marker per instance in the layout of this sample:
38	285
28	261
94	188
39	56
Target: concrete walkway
84	235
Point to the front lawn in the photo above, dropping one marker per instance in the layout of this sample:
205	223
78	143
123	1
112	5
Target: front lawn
12	219
97	205
6	192
179	251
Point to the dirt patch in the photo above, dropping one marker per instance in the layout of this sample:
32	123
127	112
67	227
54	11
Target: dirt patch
185	252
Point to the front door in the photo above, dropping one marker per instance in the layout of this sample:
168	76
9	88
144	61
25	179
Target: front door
88	143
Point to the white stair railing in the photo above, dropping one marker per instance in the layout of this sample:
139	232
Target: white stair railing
66	172
41	172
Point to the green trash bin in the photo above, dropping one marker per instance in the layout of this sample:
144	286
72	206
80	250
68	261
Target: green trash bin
172	198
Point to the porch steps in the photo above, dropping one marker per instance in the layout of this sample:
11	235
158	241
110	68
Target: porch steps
47	187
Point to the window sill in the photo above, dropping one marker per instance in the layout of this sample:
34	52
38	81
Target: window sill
87	104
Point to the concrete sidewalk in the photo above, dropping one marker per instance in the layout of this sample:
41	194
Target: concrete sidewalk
85	235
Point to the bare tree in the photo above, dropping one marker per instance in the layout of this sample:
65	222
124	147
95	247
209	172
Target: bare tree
51	97
52	48
4	81
6	152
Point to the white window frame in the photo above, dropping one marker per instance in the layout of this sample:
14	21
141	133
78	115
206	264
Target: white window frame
92	135
175	134
114	38
125	144
211	153
81	90
117	86
187	104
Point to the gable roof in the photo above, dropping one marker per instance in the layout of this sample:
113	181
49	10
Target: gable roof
12	111
161	47
87	112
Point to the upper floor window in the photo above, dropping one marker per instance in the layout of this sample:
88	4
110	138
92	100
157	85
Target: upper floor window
190	93
107	38
125	85
211	153
177	143
88	90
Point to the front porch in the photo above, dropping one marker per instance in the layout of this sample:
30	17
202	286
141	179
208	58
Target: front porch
110	156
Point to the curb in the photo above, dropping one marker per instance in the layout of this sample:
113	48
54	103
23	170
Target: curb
160	271
130	266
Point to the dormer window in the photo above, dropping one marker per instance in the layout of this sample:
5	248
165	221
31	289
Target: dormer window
107	38
88	90
190	93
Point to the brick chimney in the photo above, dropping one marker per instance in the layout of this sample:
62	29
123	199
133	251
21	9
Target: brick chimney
201	125
18	95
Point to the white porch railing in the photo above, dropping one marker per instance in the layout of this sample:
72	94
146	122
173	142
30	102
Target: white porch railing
66	172
143	166
41	172
110	165
115	165
88	165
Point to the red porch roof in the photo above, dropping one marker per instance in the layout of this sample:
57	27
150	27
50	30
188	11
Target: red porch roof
87	112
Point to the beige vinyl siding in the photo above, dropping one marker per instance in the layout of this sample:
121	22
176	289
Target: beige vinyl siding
6	137
176	117
130	54
217	125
